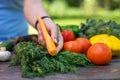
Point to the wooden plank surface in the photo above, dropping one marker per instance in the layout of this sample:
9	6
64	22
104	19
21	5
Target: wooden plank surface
111	71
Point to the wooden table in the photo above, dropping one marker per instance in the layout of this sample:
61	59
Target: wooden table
111	71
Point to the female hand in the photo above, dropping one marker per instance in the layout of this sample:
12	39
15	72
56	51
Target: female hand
54	33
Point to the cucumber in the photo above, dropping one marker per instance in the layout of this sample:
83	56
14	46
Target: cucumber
8	45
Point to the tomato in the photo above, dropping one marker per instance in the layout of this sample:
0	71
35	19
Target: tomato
68	35
99	54
85	43
72	46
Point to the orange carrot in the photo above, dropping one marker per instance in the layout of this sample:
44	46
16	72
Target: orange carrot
51	47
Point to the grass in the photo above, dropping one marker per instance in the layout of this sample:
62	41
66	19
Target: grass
68	21
78	21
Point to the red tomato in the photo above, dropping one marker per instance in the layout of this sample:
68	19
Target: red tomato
68	35
85	43
72	46
99	54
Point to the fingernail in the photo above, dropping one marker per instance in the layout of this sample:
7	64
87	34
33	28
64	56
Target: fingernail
55	40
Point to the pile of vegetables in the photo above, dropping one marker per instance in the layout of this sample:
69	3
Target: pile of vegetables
90	43
35	60
98	53
93	27
107	32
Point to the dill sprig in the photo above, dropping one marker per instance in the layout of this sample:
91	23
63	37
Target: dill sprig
35	60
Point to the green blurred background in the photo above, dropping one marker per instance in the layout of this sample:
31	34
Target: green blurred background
66	12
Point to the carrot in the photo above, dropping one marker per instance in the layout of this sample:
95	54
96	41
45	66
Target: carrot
51	47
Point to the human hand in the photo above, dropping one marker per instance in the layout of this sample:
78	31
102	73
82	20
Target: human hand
54	32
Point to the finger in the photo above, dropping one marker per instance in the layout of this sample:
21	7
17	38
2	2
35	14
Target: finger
53	31
40	38
60	42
